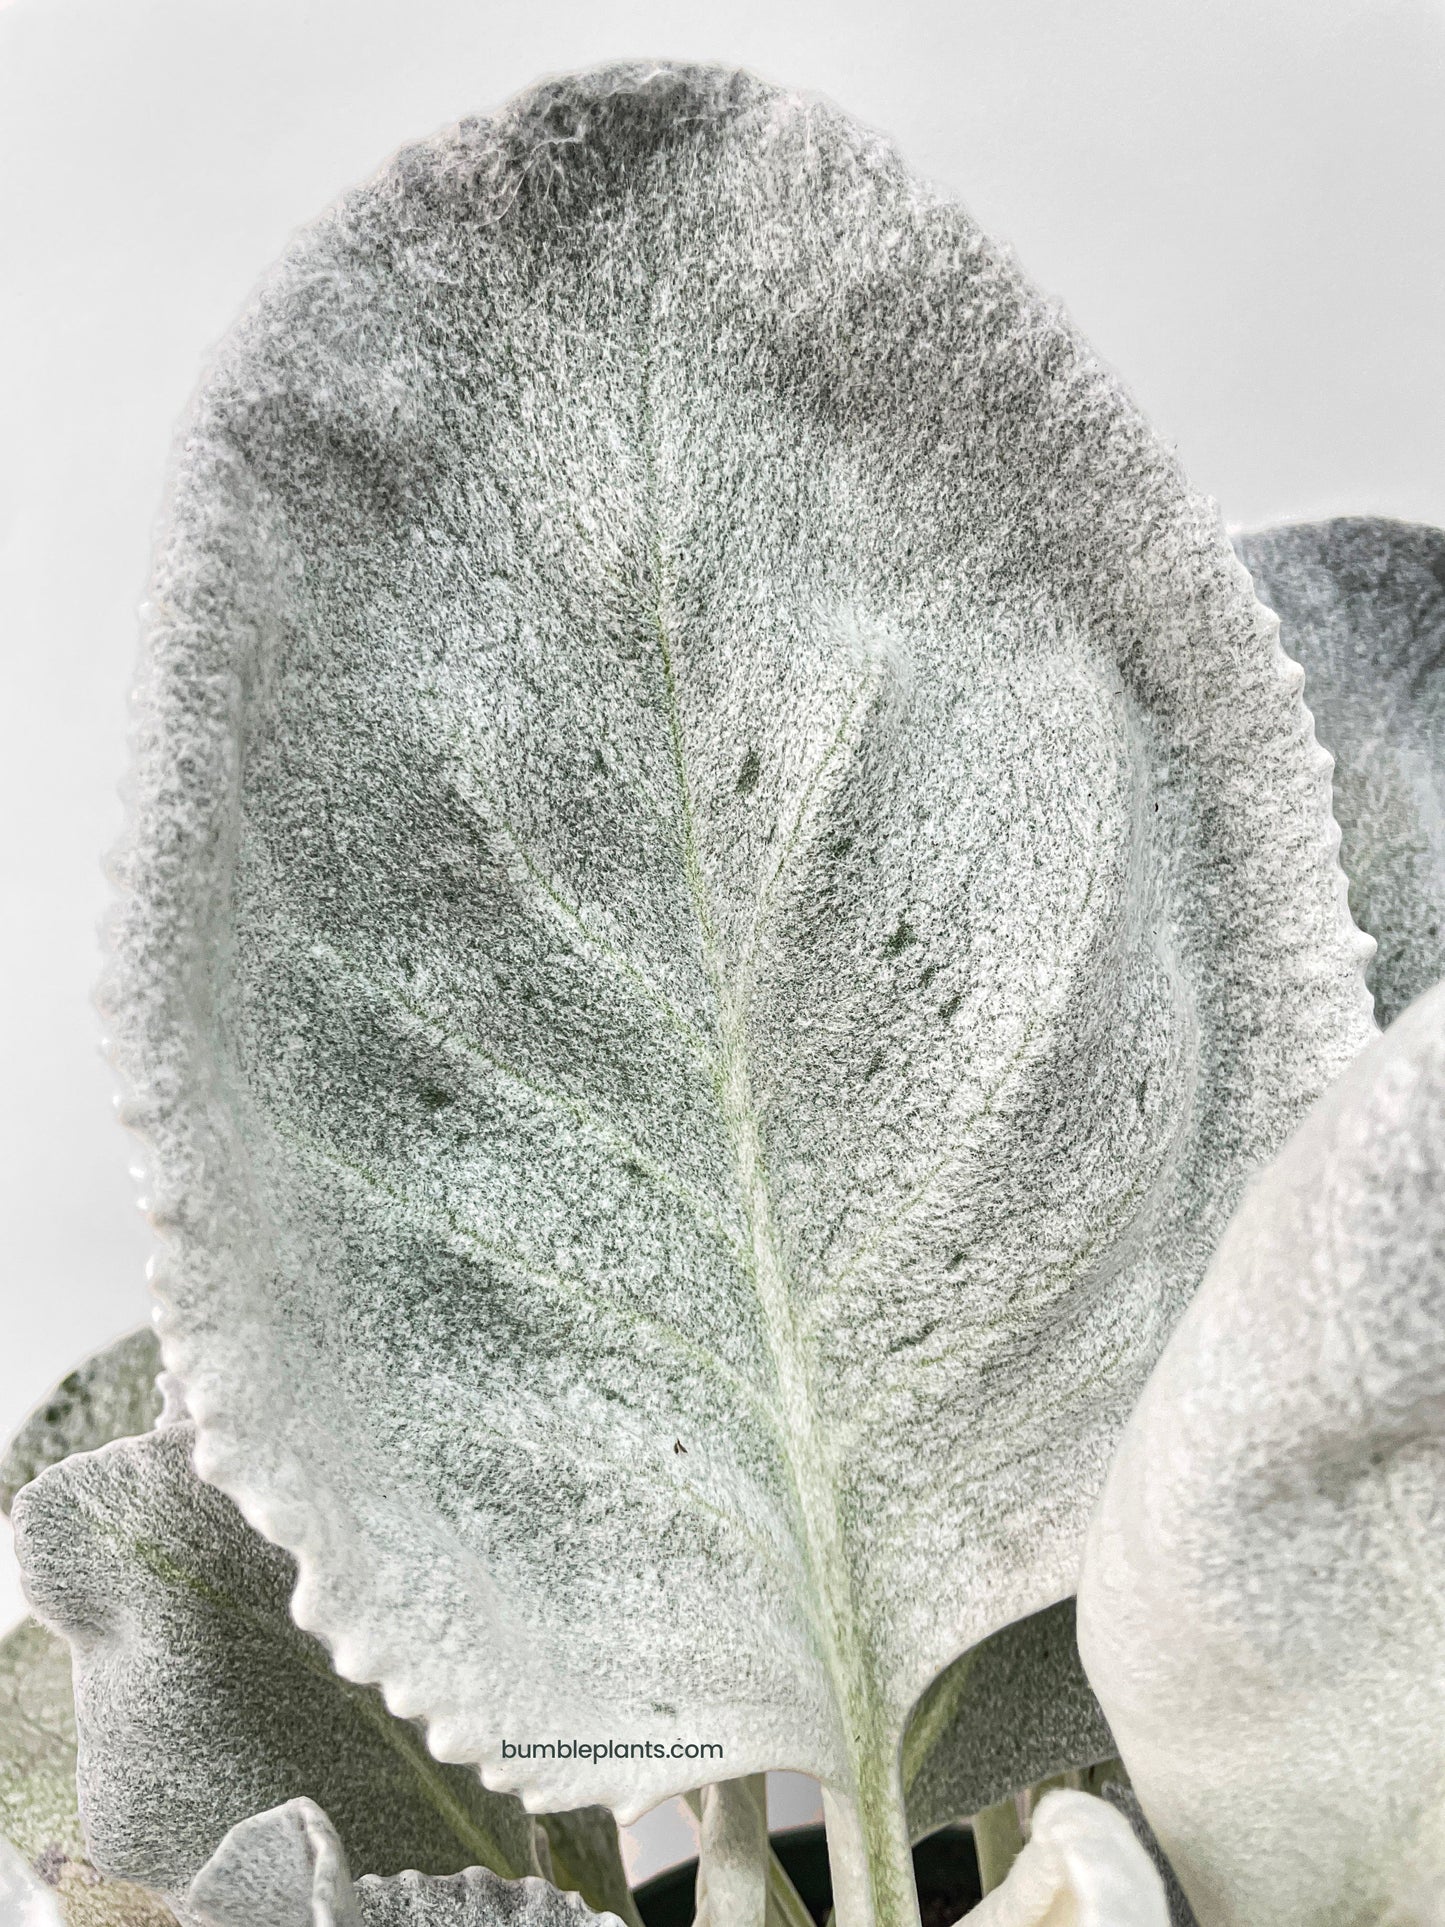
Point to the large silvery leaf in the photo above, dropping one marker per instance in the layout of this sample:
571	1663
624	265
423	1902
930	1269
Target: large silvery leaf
198	1702
1013	1711
1260	1607
1362	608
288	1868
39	1819
109	1396
728	880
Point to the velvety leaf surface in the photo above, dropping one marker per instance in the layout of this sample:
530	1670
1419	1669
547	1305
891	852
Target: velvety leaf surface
283	1868
199	1703
39	1820
1014	1710
1362	606
1081	1867
1260	1605
287	1868
728	881
475	1898
110	1396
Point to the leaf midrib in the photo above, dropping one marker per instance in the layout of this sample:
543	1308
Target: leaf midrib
804	1447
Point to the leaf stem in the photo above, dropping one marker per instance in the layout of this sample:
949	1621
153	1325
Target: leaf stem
870	1855
784	1903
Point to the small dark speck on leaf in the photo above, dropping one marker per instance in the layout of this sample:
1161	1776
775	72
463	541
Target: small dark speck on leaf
950	1009
599	762
435	1098
748	775
955	1263
904	935
840	846
875	1064
678	1446
928	976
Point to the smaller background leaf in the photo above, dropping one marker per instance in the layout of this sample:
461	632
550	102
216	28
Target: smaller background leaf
112	1395
1361	604
1011	1711
587	1857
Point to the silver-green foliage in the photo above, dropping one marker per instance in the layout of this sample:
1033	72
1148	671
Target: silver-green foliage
728	881
1260	1608
1361	602
110	1393
1011	1712
198	1703
108	1396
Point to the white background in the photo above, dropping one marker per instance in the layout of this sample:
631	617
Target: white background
1242	202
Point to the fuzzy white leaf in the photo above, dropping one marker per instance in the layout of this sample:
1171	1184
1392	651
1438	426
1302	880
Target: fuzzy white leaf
1081	1867
1362	608
282	1868
728	881
1260	1606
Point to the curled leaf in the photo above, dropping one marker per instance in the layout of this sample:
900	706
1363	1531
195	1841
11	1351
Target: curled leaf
1362	608
199	1703
728	881
111	1395
1081	1867
285	1868
1260	1603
